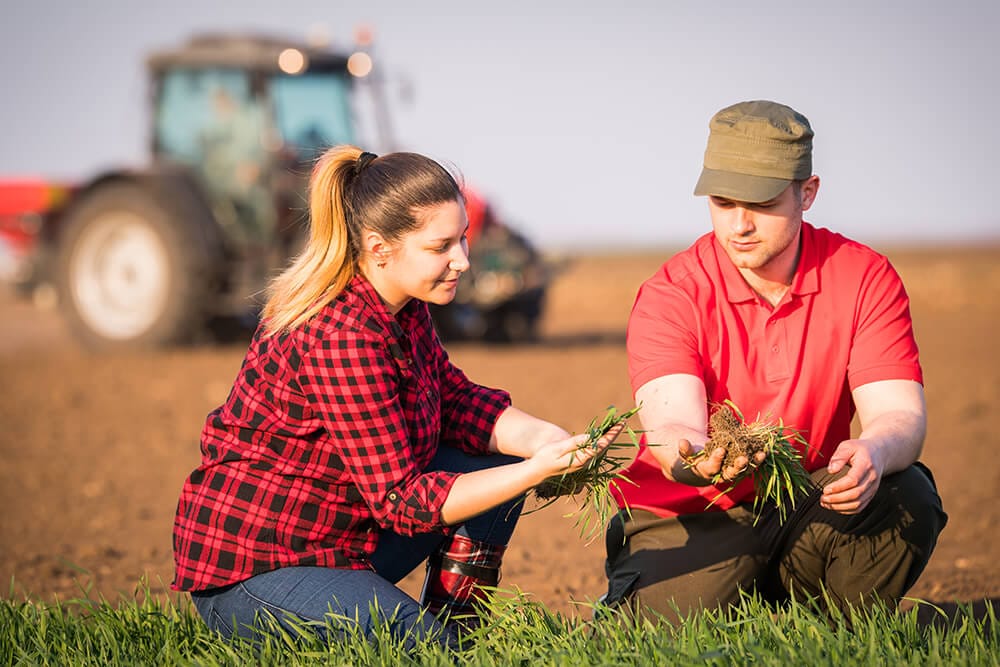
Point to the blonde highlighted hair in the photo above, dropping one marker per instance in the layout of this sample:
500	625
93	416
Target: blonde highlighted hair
351	191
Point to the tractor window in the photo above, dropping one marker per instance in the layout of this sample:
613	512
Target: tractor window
192	103
312	111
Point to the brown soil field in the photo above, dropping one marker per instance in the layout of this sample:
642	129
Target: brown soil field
94	447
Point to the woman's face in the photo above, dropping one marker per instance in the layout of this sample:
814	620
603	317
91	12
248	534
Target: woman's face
427	262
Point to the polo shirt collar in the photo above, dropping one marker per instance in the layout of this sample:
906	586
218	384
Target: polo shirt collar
805	280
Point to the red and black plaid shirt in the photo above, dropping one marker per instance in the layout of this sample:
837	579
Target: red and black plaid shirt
324	440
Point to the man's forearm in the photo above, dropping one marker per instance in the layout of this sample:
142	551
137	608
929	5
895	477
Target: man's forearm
896	438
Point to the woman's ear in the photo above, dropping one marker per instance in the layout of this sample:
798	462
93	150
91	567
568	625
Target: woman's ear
376	247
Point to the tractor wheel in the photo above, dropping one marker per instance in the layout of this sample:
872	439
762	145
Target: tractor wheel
133	267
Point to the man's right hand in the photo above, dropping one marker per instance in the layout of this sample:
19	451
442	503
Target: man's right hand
690	469
675	414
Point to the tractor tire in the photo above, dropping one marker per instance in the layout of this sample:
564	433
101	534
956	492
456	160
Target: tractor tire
133	268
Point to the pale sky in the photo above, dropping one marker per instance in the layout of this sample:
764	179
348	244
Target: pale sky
584	122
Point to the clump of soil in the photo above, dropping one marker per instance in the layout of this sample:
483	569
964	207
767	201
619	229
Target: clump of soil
726	430
780	478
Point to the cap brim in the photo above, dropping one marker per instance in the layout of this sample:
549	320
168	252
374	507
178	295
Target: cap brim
739	187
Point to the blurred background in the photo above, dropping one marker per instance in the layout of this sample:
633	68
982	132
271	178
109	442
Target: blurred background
583	122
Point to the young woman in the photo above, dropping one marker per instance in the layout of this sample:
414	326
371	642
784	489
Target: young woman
350	448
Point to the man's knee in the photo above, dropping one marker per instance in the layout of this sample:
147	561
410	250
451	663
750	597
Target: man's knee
914	491
668	567
878	553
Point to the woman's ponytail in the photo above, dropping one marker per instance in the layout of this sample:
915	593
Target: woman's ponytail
327	263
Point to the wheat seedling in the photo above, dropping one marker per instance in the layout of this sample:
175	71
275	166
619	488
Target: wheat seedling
596	479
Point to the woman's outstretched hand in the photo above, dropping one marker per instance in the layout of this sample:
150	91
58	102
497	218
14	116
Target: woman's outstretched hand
475	492
569	454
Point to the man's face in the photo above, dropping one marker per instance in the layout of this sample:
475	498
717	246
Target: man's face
762	237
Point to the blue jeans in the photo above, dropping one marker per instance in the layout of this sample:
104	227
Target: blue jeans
311	594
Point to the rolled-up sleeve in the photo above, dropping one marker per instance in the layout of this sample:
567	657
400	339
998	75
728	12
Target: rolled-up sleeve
353	384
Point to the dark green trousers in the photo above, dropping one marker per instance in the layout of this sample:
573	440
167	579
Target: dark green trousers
675	565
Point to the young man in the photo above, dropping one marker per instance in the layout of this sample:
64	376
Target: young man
790	322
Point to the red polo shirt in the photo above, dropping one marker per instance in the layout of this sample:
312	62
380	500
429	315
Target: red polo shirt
844	322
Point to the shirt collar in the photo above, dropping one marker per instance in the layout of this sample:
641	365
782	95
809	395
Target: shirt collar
806	278
804	281
395	327
360	285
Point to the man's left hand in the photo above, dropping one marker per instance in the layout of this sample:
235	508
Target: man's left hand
851	493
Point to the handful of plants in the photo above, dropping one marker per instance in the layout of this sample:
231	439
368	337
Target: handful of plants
595	480
780	477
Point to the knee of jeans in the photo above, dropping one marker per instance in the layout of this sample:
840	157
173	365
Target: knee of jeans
614	536
621	586
205	604
917	492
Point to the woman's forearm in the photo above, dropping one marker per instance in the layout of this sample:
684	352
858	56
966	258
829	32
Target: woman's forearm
517	433
476	492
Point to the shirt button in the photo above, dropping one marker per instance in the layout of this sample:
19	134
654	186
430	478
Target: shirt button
774	349
393	496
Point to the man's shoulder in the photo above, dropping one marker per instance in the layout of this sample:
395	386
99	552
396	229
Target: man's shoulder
689	266
837	247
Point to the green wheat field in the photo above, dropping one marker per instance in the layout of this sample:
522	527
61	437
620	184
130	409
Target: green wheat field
150	630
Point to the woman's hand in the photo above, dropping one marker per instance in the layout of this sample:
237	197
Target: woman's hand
570	454
475	492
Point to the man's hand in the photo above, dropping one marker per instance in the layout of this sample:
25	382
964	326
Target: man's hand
703	471
851	493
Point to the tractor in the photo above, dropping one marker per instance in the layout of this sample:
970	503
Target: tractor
163	254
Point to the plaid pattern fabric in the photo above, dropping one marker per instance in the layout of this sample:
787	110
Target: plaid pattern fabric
323	441
454	576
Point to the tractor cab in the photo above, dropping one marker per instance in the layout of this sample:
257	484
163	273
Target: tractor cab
248	116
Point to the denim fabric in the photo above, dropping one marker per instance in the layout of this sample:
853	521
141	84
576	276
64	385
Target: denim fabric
396	555
343	601
311	594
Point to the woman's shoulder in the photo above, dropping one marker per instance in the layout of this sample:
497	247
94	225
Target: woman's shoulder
344	318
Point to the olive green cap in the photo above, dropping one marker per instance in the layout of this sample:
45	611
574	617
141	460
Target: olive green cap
755	149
